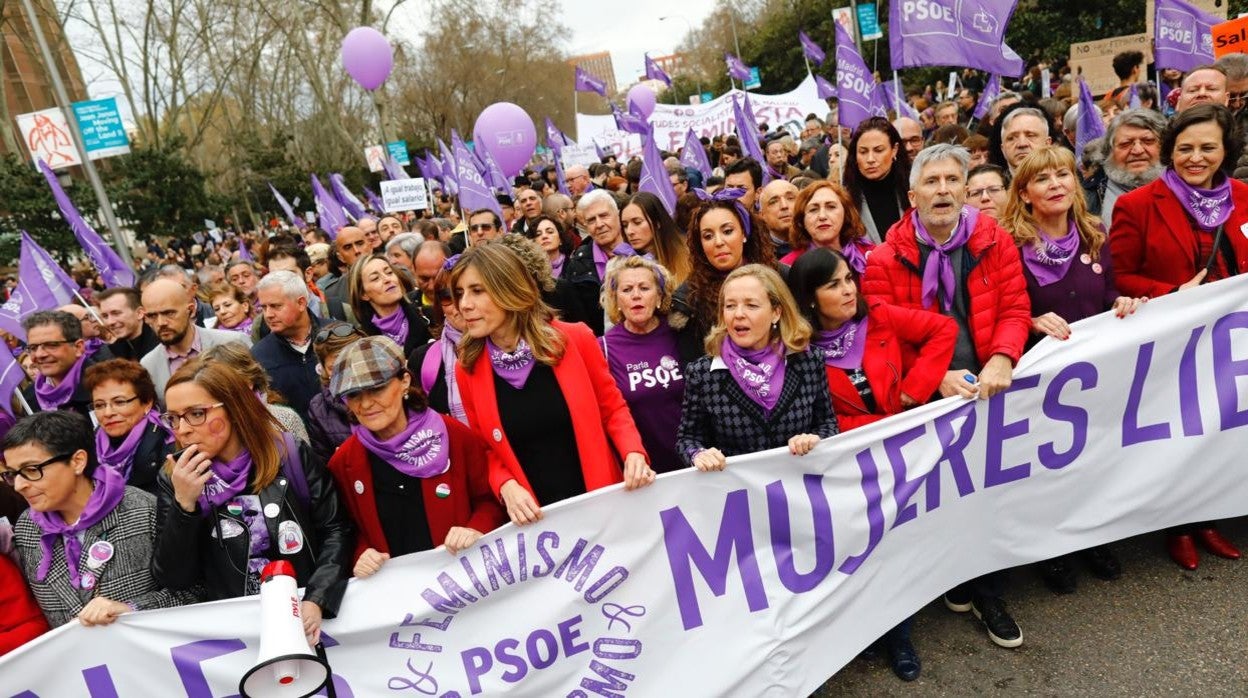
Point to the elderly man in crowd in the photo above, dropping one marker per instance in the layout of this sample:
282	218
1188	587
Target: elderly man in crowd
286	352
169	309
1022	131
1132	155
577	178
561	208
778	160
942	233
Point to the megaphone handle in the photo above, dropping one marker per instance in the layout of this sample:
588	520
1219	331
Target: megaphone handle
329	685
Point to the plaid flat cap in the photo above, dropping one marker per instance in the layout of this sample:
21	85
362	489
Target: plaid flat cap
366	363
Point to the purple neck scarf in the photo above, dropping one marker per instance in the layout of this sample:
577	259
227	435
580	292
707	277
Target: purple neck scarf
90	346
110	487
51	397
600	258
843	347
556	266
393	325
1208	207
244	326
856	254
121	456
938	275
759	372
1050	259
227	481
421	450
449	346
513	367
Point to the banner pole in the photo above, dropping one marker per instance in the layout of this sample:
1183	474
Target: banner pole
897	91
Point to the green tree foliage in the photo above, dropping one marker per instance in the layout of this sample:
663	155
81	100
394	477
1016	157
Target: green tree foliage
156	191
26	203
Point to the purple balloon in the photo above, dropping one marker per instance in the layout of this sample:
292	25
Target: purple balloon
508	133
641	100
367	56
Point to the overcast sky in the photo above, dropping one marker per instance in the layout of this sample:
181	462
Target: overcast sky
632	30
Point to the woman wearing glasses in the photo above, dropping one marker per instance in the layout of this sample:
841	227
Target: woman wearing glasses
131	439
86	541
412	479
242	494
987	189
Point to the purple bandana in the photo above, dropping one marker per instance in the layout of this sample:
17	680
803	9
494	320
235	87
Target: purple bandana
444	355
734	195
121	456
227	481
393	325
513	367
600	258
556	266
244	326
110	487
1208	207
938	274
759	372
51	397
843	347
1050	259
421	450
856	254
90	346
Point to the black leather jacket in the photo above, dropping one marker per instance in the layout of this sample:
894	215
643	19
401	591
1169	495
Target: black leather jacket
190	550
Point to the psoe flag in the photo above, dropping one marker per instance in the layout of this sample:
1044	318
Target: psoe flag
969	33
1182	35
855	84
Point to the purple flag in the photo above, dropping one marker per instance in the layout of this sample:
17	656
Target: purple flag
991	90
493	173
737	70
243	253
474	193
857	84
588	82
393	169
654	177
41	285
290	212
58	282
106	260
450	177
598	150
968	33
329	213
1089	125
1182	35
554	137
350	203
560	180
694	155
1133	98
654	72
894	100
823	88
374	201
629	122
810	49
747	130
11	377
430	167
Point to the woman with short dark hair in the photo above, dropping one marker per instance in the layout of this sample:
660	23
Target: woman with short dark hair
130	438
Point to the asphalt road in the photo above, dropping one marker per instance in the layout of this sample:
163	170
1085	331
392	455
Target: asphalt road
1158	630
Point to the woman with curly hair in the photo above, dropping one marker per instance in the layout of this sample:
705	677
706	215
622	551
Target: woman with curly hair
825	217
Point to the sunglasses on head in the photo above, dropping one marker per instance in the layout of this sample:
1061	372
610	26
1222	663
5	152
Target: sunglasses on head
341	331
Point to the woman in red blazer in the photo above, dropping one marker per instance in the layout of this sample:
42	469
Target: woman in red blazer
538	391
870	374
412	478
1187	228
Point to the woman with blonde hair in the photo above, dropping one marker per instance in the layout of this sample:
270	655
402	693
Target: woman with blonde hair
824	216
233	309
242	494
643	354
515	355
759	387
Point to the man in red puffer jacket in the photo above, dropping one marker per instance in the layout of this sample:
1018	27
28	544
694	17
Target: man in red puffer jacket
944	257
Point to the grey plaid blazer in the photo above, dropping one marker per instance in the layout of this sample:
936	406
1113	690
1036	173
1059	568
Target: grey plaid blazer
127	577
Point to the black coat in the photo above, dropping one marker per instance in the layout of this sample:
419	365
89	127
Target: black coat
717	413
135	349
149	458
581	272
291	373
327	424
190	552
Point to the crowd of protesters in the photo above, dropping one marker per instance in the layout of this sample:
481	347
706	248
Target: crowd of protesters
338	398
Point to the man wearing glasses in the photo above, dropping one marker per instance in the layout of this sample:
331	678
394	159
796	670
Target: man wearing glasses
578	180
54	341
483	225
169	309
1132	152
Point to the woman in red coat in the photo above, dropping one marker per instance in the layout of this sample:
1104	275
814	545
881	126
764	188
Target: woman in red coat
1187	228
412	479
20	618
538	391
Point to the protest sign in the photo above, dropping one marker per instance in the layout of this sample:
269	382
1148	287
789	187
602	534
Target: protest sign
1094	60
47	136
1230	37
405	195
375	155
768	577
103	133
397	150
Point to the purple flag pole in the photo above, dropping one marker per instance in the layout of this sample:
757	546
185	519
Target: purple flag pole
290	212
107	262
1089	126
588	82
375	201
654	72
394	170
474	193
811	50
694	155
823	88
747	130
329	213
654	177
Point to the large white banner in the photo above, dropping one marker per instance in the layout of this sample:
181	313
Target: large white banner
764	579
673	121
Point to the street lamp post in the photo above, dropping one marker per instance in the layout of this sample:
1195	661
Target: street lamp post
689	25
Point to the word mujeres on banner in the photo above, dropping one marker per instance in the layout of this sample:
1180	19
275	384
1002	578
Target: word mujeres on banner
766	578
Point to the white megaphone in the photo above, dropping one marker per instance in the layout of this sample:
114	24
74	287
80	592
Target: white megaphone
287	667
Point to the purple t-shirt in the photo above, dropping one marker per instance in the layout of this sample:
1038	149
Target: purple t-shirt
647	369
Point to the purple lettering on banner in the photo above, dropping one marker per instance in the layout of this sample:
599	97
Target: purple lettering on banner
683	548
606	584
953	450
1132	432
568	632
999	432
1077	417
533	646
188	658
875	510
414	644
27	694
477	662
903	487
1189	389
782	534
616	685
99	682
497	565
1227	370
472	575
543	538
522	555
504	651
573	567
601	650
409	620
457	598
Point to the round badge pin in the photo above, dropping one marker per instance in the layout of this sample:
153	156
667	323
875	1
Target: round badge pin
99	553
359	487
498	435
443	490
88	580
271	510
1096	267
1085	258
235	507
